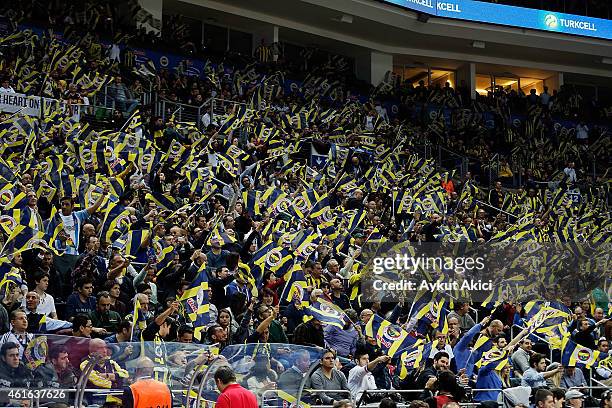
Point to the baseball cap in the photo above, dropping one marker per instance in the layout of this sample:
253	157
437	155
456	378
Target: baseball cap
571	394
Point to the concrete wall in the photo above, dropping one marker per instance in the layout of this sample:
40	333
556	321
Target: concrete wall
151	15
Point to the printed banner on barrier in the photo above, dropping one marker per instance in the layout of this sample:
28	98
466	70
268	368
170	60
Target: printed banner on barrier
30	105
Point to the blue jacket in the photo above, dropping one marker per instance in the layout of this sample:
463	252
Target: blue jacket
460	351
343	341
487	379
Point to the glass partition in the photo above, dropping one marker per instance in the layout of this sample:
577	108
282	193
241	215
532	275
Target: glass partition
90	372
272	371
65	369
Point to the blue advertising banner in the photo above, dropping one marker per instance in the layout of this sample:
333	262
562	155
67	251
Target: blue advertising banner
425	6
524	17
491	13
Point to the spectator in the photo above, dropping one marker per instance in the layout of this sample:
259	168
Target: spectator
360	377
573	378
558	397
309	333
582	133
185	334
442	390
291	378
19	333
13	373
103	318
535	376
57	372
342	340
574	398
82	326
81	301
337	296
606	399
570	172
6	87
544	399
232	394
520	358
106	373
122	95
461	312
122	333
441	363
261	377
68	236
47	303
327	377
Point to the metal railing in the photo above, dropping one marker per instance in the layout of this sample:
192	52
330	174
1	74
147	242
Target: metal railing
494	165
448	159
181	111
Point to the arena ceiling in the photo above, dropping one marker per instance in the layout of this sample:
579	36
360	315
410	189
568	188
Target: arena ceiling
388	29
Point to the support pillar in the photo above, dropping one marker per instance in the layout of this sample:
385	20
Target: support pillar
372	66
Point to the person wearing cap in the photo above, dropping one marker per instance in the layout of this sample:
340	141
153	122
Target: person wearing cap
146	392
574	398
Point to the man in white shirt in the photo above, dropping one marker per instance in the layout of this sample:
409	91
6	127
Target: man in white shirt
360	377
570	172
6	87
441	345
382	111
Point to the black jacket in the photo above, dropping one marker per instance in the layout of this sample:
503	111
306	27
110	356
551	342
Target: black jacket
306	334
20	377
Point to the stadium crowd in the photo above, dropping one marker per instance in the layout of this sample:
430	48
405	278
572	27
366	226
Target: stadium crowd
250	232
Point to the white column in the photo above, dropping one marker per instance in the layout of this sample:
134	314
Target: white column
372	66
381	64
